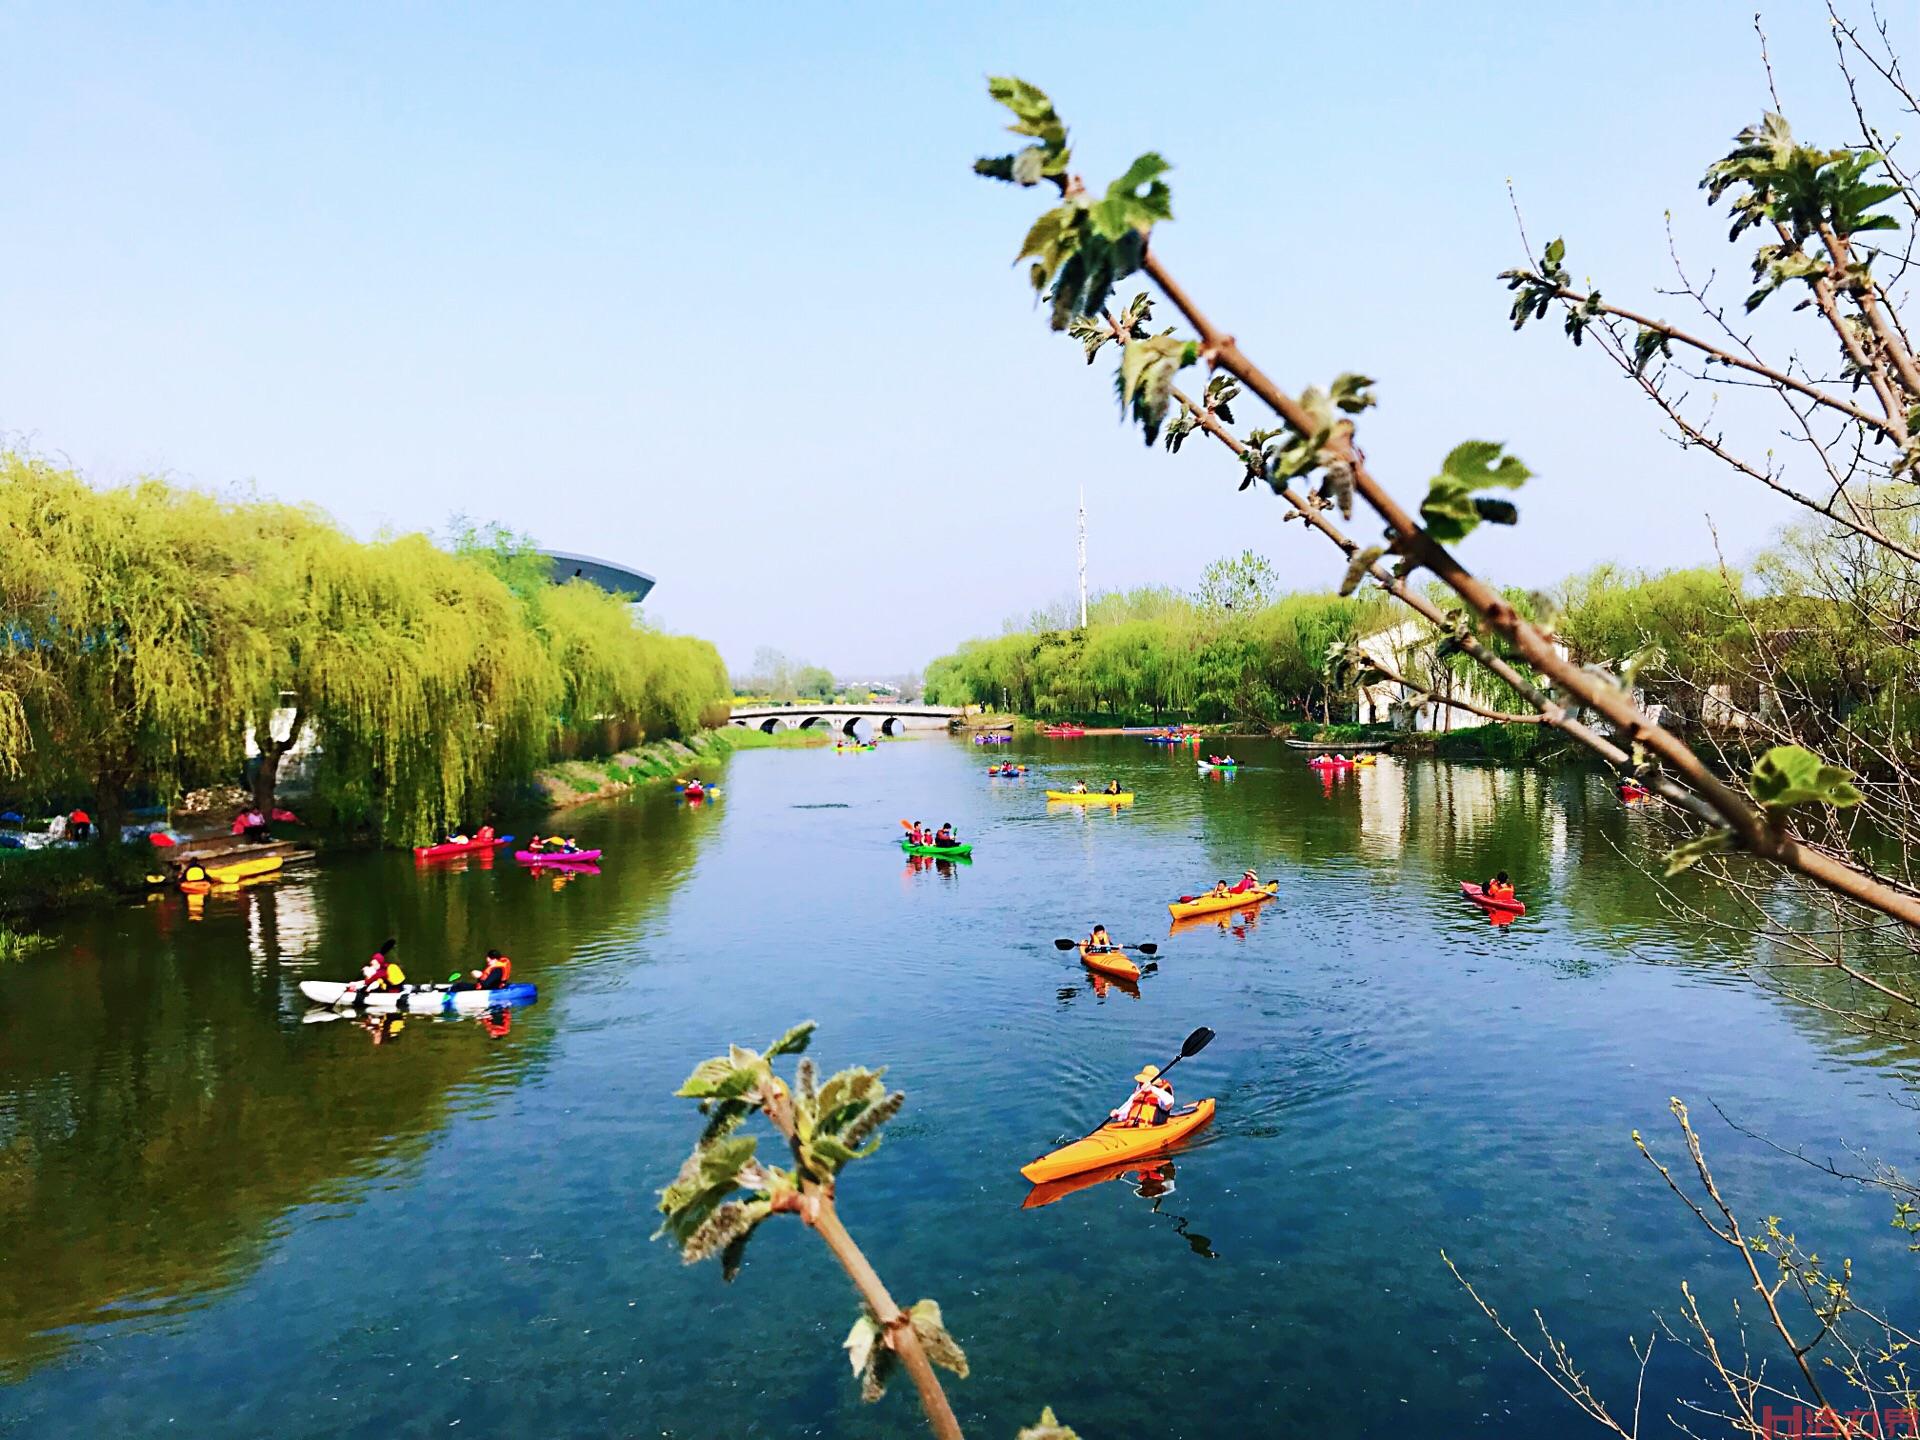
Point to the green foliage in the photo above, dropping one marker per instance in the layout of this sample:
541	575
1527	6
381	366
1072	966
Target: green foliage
15	946
1280	456
1511	744
826	1126
1033	116
151	626
1153	654
1536	290
1790	775
1453	509
1082	247
1692	852
1245	583
1775	179
1144	381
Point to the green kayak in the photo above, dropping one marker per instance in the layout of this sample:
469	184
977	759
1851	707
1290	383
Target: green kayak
913	849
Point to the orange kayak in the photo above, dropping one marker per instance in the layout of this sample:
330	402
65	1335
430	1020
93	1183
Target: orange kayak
1207	904
1111	1144
1112	962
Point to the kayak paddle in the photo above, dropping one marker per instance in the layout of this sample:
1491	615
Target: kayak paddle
1146	948
1196	1042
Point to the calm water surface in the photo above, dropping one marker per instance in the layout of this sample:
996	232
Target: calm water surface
219	1220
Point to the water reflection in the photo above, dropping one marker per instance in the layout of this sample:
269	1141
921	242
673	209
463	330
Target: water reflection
162	1103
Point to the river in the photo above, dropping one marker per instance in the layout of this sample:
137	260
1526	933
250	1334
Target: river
219	1220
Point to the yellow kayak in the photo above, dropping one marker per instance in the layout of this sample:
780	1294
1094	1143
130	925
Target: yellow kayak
1092	797
1208	904
1111	1144
234	873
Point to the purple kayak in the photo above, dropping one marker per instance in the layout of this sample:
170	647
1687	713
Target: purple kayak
556	857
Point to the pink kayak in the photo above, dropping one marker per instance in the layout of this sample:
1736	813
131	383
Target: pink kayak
556	857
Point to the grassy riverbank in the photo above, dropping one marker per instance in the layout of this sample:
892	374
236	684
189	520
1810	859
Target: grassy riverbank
572	782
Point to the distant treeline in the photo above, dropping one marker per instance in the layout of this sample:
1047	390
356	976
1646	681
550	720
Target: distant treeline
1155	654
1713	647
148	631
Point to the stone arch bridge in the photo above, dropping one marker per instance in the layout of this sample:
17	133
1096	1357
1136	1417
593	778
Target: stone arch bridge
885	719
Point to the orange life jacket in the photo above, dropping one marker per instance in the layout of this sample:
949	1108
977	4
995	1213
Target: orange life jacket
500	963
1145	1108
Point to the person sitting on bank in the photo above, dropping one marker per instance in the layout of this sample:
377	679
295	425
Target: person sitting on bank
1151	1101
1099	942
79	824
1248	882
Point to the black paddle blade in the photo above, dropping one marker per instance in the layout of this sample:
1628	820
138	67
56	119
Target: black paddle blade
1196	1042
1148	949
1065	944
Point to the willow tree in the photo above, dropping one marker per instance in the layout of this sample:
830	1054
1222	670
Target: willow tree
133	607
426	689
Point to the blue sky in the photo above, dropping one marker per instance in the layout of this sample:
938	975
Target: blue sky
710	289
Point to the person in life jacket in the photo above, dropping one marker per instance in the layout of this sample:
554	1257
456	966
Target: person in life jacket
496	974
1248	881
382	972
1099	942
946	836
1499	888
1150	1103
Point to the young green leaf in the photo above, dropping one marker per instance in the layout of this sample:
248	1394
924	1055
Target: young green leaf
1144	381
1686	856
795	1041
1451	510
1127	206
1789	775
1353	393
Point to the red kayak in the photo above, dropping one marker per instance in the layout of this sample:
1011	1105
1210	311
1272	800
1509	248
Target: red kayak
1479	897
1325	764
435	852
1634	792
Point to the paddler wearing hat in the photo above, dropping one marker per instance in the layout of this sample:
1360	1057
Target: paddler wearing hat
1150	1103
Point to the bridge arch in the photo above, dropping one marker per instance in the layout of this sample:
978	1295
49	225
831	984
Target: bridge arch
889	726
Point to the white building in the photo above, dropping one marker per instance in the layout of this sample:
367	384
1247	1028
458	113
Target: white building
1409	647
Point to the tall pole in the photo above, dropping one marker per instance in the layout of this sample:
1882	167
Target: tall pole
1083	555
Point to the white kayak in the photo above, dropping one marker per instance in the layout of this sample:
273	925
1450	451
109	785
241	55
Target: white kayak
415	999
